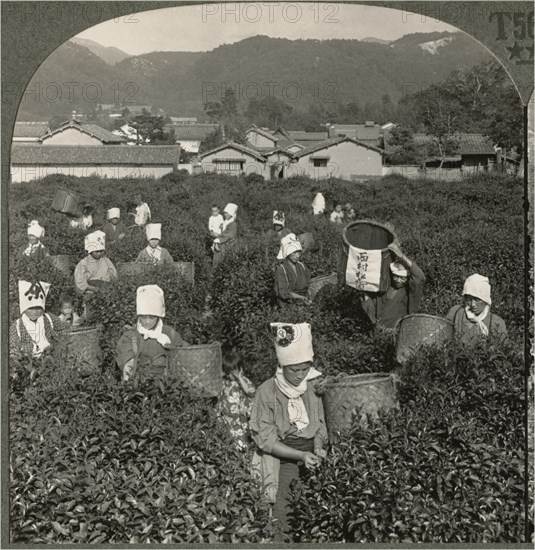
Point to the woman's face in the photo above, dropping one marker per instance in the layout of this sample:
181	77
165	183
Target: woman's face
97	254
153	243
67	309
32	239
294	256
475	305
338	208
148	322
114	221
33	313
295	374
226	215
277	227
399	281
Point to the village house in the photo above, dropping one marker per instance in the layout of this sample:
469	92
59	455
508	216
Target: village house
75	132
340	157
307	139
369	132
183	120
30	162
190	136
30	132
264	139
234	159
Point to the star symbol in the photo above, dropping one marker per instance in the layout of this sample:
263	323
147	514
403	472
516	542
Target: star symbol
515	50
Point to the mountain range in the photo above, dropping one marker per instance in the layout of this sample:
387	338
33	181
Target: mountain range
300	72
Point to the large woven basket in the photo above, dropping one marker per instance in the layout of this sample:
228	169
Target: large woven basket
417	330
200	366
69	202
62	263
307	241
185	269
317	283
350	398
82	348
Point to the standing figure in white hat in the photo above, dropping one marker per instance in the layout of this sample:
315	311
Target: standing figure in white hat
153	253
402	298
292	277
318	204
473	320
229	233
95	270
143	351
35	330
35	248
273	236
287	418
114	228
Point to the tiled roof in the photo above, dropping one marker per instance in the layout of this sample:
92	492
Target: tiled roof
331	142
30	129
194	132
105	136
298	135
469	144
262	132
236	146
94	154
357	131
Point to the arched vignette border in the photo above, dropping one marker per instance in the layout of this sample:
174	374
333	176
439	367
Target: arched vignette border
501	27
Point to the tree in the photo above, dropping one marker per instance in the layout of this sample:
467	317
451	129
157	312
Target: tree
150	129
213	140
269	111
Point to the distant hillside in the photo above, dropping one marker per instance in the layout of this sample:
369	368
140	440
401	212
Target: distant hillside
109	54
305	71
373	39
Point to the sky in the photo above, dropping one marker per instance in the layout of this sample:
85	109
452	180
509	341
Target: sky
206	26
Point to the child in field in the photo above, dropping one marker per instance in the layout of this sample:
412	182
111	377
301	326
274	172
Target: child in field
215	222
273	236
35	249
68	314
234	406
318	204
86	221
229	233
337	216
143	214
154	253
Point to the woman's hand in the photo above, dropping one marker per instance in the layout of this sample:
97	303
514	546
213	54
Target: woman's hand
246	384
310	460
322	453
396	249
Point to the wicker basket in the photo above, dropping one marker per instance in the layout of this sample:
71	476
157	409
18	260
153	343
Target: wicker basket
62	263
318	283
130	269
68	202
200	366
367	235
82	348
419	330
351	398
307	241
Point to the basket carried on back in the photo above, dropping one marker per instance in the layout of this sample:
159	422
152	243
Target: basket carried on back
365	258
185	269
349	398
317	283
69	202
200	366
82	348
418	330
62	262
307	241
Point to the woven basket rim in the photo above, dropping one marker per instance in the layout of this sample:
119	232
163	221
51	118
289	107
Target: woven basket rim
200	346
333	274
426	315
368	222
352	380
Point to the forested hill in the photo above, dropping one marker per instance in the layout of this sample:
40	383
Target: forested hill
299	71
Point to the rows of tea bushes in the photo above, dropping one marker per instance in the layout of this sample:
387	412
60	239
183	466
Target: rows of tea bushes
92	461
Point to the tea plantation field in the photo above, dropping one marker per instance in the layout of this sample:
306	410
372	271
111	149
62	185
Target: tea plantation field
95	462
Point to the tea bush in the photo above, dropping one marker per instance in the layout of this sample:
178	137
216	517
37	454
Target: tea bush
93	461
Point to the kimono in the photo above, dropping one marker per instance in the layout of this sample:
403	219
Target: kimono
289	278
149	255
21	341
36	251
227	239
142	215
234	409
387	308
113	231
270	423
152	357
469	332
89	269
